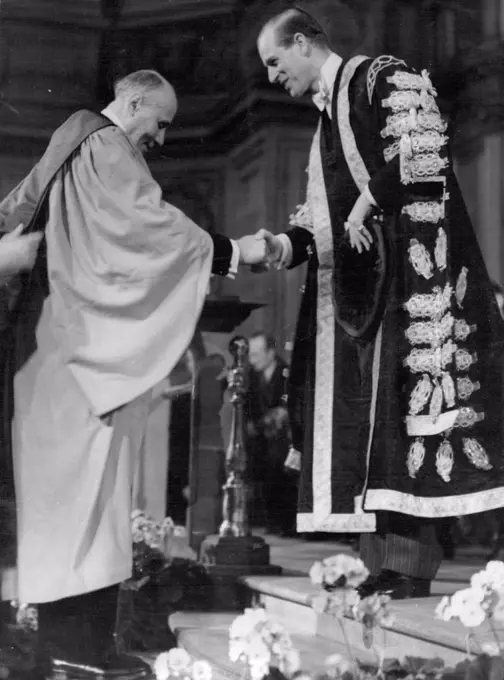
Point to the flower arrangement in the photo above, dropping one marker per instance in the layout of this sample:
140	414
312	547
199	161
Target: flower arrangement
151	545
18	651
165	579
262	644
177	663
482	601
339	577
265	649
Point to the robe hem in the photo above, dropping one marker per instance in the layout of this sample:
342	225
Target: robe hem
441	506
81	588
344	523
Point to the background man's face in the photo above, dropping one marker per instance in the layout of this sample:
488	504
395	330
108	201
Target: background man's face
149	118
286	66
500	301
260	356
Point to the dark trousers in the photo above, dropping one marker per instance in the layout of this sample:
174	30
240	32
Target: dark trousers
80	628
404	544
407	545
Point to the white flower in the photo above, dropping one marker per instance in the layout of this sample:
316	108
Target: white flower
317	574
444	609
373	611
237	650
201	670
258	650
497	609
167	526
479	580
244	624
161	670
291	662
258	641
178	661
352	568
490	648
179	531
466	606
336	665
491	578
27	616
495	574
258	669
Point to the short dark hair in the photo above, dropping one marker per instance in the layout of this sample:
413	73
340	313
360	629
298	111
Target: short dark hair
144	81
269	340
297	20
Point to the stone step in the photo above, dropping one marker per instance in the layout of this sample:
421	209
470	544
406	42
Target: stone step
416	631
206	636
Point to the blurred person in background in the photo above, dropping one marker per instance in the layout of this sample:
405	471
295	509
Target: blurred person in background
267	430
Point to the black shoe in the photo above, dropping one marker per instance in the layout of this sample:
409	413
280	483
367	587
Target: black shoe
398	586
117	666
76	638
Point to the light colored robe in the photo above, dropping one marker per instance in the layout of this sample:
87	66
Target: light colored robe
124	301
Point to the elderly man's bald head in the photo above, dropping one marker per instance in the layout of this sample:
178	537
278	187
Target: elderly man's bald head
142	82
146	104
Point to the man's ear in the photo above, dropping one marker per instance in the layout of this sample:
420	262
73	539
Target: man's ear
134	104
303	44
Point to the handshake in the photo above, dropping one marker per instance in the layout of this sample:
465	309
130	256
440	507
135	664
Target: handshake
262	248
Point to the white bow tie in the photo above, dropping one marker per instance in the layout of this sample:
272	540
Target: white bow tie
322	98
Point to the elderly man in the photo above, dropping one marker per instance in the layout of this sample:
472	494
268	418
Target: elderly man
106	314
395	407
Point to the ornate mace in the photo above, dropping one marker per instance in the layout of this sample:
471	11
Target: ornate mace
236	492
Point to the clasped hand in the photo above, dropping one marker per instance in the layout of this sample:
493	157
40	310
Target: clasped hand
261	248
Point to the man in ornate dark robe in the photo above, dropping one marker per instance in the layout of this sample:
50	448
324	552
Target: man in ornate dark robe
109	309
395	403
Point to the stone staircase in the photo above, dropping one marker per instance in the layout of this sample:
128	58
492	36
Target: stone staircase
415	632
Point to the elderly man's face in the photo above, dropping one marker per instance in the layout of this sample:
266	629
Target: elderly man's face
149	116
288	66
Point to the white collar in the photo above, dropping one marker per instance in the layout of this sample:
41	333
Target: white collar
329	71
112	117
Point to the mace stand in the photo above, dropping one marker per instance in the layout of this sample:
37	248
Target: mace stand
235	552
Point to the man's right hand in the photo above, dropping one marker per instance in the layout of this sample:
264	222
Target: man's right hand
274	248
18	251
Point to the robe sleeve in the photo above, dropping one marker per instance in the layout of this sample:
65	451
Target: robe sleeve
223	252
302	243
129	284
412	134
18	202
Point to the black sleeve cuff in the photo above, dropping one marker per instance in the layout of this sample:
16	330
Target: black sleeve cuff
385	186
223	252
302	243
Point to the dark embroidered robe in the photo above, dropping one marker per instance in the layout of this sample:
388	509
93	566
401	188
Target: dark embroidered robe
415	397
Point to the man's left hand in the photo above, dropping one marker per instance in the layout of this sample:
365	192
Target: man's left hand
360	236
